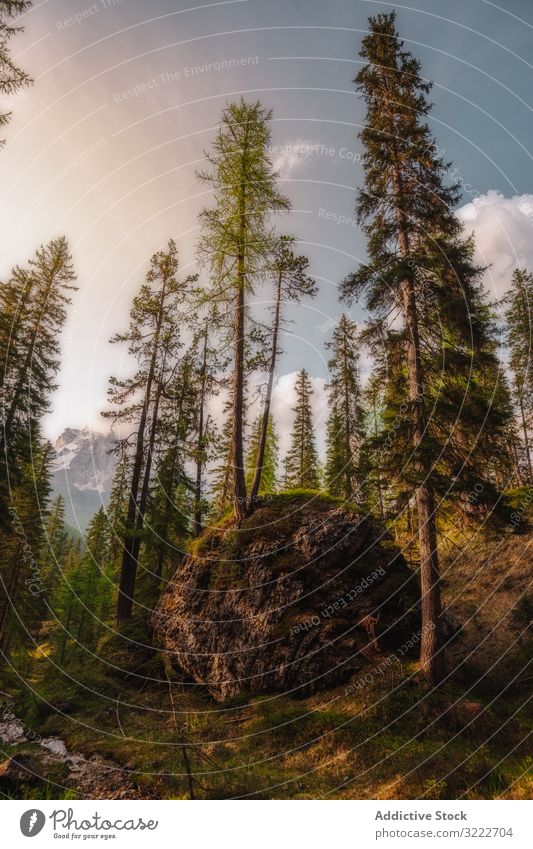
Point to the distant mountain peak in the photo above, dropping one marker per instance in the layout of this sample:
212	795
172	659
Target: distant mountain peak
83	472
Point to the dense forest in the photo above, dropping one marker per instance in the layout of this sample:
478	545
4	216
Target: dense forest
432	448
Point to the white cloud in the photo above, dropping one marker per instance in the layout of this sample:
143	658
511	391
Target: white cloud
503	229
293	155
283	401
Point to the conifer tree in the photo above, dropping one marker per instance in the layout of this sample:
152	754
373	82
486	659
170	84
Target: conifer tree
209	362
12	78
222	474
21	545
335	455
519	309
83	601
64	601
236	242
292	284
97	589
269	449
33	306
154	341
302	458
117	507
421	267
370	463
171	496
54	549
346	419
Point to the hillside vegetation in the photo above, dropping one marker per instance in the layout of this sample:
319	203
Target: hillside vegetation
383	733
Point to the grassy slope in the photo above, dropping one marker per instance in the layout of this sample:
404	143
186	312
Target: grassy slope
391	738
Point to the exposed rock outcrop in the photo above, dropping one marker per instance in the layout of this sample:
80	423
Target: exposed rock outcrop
300	597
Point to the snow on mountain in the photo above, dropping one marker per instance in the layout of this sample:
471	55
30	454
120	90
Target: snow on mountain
83	473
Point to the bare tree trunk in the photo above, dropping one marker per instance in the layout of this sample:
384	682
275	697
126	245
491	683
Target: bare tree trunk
256	483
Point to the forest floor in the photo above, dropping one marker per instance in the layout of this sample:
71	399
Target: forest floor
126	727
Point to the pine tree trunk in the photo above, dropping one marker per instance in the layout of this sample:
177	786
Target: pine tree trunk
518	473
377	466
256	483
197	522
128	570
347	430
161	550
432	660
239	480
143	500
526	440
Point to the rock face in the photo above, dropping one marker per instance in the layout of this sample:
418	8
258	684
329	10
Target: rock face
83	472
300	597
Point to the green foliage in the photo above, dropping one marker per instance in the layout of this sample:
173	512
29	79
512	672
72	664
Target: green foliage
154	339
12	78
270	460
83	603
21	549
236	244
445	422
33	306
519	302
240	174
346	419
302	469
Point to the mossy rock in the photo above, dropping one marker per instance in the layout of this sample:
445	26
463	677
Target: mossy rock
301	595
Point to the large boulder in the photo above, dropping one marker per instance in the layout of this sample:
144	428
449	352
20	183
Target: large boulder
299	597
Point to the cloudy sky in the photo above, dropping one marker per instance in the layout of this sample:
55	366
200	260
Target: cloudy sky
127	95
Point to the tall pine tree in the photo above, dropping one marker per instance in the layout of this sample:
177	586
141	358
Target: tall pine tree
33	310
236	242
292	283
421	267
154	342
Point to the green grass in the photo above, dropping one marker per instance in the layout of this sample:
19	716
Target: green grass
387	740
